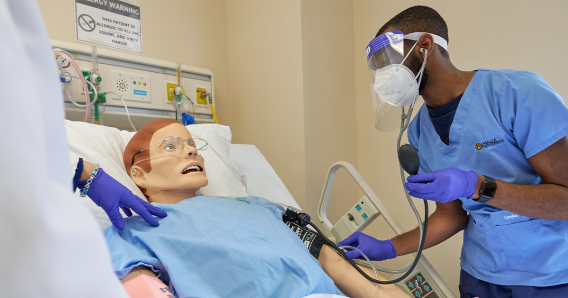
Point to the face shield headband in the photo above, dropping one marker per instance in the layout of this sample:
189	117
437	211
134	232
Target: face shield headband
395	38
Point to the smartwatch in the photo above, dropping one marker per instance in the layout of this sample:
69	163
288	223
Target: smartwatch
488	190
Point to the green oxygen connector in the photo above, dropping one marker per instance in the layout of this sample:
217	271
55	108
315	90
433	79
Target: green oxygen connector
102	97
86	74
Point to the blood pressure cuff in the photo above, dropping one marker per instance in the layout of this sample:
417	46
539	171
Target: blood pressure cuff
311	239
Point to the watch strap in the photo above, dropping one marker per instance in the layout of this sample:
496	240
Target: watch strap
488	181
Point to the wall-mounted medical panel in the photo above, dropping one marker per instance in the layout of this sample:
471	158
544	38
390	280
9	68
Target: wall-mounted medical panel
131	86
143	84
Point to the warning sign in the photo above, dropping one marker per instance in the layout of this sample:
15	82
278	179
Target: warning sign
110	23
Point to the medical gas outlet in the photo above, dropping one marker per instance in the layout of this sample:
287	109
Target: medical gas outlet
356	219
98	108
175	91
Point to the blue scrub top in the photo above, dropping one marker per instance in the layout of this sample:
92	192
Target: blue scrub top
504	118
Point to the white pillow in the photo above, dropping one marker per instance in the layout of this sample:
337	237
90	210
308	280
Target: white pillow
223	174
105	145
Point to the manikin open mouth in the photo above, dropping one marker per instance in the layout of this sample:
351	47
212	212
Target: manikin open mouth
192	169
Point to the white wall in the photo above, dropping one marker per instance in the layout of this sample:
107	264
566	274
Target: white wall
329	101
265	63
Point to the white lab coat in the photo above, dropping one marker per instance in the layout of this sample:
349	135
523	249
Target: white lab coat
50	245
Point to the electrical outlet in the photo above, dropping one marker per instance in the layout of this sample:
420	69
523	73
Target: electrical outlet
200	96
170	90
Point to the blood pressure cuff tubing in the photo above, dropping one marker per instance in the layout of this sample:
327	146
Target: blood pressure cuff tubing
311	239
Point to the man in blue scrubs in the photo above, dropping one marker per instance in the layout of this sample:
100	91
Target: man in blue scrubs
492	144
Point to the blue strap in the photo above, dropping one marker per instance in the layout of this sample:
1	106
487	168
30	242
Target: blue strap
78	173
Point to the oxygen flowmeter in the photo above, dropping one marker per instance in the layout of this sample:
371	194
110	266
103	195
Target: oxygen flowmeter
185	108
98	109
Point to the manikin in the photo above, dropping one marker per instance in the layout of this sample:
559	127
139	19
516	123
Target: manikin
215	247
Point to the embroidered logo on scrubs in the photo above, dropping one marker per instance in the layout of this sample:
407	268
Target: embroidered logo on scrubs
487	144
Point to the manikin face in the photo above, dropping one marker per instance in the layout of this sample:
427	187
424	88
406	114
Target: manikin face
169	171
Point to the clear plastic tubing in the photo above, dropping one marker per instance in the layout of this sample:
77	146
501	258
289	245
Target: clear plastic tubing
83	81
84	106
179	73
370	263
71	98
95	61
235	171
125	107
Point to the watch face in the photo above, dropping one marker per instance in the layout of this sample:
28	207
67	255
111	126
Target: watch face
488	189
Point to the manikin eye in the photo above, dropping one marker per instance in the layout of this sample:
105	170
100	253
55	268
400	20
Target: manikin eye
170	147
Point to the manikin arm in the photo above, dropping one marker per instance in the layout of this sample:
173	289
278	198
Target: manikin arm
349	281
143	283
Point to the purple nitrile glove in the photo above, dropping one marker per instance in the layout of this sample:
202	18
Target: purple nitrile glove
376	250
443	185
109	194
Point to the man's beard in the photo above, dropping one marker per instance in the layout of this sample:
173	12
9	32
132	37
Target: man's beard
415	65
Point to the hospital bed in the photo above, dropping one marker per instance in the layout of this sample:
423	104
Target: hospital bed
105	145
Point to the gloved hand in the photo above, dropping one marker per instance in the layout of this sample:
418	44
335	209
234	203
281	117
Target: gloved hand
376	250
109	194
443	185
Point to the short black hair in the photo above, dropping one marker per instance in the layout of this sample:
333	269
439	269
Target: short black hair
419	19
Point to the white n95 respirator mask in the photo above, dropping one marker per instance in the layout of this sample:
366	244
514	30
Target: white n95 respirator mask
393	84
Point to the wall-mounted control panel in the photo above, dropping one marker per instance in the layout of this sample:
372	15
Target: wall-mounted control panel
142	82
132	87
356	219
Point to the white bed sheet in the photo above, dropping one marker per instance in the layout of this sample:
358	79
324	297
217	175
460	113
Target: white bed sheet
262	180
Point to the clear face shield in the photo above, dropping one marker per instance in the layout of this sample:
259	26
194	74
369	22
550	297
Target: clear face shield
393	85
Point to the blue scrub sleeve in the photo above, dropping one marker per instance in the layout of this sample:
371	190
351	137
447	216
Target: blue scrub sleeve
532	112
412	132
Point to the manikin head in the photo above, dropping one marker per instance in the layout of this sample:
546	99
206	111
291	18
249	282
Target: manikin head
162	176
